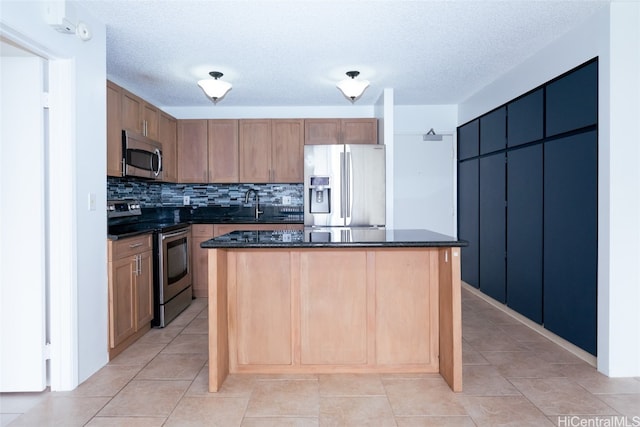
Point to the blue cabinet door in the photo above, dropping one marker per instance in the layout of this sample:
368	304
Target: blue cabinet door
570	238
468	226
524	231
572	100
525	119
468	140
493	226
493	131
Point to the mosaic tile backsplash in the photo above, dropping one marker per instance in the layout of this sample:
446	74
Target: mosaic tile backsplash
161	194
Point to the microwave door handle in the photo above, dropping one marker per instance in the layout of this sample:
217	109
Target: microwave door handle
157	153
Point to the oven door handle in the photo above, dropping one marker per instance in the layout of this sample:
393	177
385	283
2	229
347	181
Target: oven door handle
175	234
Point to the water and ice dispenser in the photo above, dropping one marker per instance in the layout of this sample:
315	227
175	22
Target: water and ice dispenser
319	194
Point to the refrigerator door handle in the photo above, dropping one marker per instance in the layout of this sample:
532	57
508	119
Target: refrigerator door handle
342	186
348	184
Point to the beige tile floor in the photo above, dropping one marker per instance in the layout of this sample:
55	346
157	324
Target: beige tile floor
512	376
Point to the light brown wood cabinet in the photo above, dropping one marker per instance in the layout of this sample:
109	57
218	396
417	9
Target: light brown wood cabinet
193	165
223	151
271	150
139	116
208	151
126	111
203	232
168	137
340	131
114	130
130	270
199	233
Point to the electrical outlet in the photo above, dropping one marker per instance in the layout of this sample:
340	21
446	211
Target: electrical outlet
286	200
186	200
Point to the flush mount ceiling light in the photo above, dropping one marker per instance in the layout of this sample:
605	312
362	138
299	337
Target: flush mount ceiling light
352	88
215	88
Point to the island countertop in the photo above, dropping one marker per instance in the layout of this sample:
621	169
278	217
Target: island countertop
333	237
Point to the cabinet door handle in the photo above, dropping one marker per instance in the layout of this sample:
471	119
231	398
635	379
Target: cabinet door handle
135	245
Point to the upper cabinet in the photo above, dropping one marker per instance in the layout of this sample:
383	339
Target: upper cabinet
192	151
207	151
126	111
223	151
168	137
469	140
139	116
493	131
271	150
114	130
340	131
525	121
287	150
570	104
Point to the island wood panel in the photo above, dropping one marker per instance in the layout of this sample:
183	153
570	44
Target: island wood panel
218	318
339	287
406	307
450	317
333	299
199	258
260	309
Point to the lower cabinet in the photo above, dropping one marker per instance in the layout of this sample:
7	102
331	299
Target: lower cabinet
571	238
492	226
524	231
468	220
203	232
130	269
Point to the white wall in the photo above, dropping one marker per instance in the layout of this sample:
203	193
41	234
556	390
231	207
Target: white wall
612	36
82	116
425	177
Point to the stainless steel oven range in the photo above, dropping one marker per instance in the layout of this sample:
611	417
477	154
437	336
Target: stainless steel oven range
172	287
173	284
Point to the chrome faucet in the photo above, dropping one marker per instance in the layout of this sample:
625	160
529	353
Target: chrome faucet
246	200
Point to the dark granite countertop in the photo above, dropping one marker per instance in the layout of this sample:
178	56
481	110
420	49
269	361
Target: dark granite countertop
154	219
336	237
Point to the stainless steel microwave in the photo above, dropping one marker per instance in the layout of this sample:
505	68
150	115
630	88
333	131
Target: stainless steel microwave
141	156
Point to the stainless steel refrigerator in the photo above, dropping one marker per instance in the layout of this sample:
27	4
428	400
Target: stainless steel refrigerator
344	185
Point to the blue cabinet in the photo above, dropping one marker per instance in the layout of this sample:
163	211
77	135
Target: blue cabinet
524	231
532	224
468	226
570	238
493	226
468	140
572	100
525	120
493	131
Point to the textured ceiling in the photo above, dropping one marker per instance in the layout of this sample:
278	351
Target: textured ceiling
292	53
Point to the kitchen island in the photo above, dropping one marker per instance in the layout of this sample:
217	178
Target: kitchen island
334	300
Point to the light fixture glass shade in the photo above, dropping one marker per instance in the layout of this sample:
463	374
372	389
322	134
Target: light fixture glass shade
214	88
352	88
